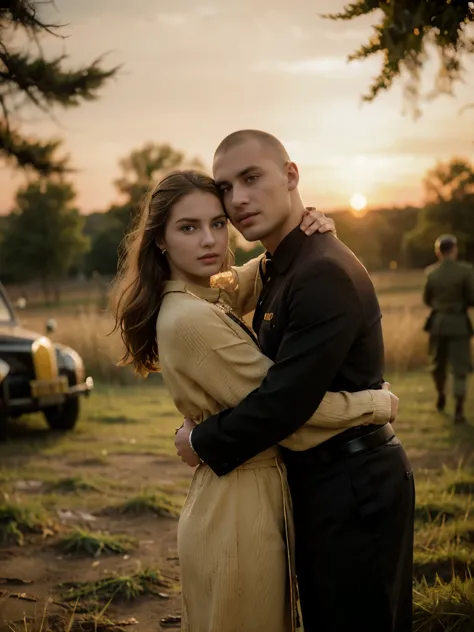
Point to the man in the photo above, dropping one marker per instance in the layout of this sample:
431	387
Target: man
319	320
449	291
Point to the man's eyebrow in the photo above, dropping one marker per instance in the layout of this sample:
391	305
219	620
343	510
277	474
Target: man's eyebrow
241	174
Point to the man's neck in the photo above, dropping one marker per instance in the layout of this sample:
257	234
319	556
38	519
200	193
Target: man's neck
272	241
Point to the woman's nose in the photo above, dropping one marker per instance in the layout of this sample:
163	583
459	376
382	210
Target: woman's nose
208	238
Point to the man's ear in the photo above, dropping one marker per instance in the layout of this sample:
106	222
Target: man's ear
293	176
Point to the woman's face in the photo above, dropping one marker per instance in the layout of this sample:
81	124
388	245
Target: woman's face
196	238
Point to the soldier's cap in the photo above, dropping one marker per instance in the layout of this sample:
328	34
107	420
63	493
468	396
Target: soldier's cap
445	243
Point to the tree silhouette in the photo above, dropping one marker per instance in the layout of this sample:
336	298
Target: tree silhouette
140	169
453	180
43	237
402	34
449	192
146	165
29	79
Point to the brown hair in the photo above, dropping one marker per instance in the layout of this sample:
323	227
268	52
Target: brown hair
144	269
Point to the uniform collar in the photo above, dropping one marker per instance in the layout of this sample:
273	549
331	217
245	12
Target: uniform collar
210	294
284	255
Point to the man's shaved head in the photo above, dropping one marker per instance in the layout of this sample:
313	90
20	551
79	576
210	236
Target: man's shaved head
266	140
259	185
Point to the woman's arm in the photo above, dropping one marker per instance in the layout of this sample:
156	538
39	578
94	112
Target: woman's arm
342	410
228	368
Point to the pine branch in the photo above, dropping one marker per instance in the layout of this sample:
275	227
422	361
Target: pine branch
404	29
29	78
45	82
354	10
23	13
30	154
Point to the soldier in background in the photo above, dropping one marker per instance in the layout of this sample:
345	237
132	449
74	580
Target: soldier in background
449	291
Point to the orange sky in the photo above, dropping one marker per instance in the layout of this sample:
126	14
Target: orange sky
196	72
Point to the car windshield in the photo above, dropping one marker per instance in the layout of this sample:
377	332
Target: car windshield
5	314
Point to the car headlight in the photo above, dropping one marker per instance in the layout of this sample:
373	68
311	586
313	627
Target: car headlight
4	370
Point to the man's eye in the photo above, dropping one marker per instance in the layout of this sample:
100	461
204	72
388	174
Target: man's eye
252	178
224	189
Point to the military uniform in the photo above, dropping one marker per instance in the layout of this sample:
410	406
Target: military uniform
449	291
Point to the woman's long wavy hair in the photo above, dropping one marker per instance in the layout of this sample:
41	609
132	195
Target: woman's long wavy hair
144	270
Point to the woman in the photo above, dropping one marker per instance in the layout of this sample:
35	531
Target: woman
234	534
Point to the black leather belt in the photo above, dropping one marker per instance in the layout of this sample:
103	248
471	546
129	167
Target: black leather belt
327	452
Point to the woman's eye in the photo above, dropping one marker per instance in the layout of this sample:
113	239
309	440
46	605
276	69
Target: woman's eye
220	224
187	229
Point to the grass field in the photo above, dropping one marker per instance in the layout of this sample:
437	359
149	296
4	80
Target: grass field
85	325
88	519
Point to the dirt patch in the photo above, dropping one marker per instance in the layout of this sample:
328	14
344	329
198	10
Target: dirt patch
37	568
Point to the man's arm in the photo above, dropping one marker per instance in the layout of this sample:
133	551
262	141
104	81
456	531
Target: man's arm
427	293
325	317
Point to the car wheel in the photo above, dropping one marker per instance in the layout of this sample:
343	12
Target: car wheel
64	416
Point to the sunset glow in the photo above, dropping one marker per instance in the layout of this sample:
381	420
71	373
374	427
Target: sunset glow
305	93
358	202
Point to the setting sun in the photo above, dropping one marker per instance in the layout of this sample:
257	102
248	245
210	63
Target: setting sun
358	202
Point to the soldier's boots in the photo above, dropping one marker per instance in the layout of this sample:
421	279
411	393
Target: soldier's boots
459	411
441	401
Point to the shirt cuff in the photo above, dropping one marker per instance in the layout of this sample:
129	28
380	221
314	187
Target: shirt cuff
191	445
382	403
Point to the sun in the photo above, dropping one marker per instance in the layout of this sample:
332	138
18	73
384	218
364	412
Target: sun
358	202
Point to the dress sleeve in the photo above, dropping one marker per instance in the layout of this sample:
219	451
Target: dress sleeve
242	284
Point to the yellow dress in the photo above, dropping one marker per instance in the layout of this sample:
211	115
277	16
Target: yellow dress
234	533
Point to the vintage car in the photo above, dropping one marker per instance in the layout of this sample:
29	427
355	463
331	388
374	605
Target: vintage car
37	374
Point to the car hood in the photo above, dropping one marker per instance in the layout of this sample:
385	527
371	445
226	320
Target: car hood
14	334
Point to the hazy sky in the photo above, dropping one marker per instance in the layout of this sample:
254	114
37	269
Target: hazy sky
196	72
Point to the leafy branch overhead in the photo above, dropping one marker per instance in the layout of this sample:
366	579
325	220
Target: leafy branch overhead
28	79
404	32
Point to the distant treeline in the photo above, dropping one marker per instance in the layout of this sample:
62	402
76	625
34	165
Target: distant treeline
45	238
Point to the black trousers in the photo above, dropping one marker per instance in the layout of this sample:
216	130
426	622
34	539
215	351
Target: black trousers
354	521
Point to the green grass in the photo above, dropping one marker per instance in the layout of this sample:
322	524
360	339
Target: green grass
17	521
437	512
434	565
159	504
444	535
102	430
73	485
446	607
141	421
81	542
72	622
117	588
